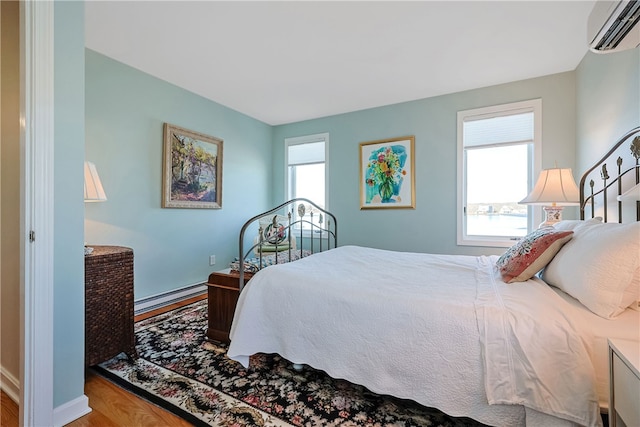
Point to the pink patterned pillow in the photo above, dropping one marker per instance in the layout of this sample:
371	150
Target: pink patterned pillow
531	254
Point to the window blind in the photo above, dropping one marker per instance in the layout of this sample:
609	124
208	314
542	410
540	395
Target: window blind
305	154
498	130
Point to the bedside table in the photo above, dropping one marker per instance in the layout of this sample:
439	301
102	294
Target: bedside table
624	378
222	296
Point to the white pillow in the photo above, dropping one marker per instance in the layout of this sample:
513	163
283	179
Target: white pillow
632	293
600	267
571	224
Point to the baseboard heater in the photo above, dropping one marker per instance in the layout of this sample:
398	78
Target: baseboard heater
160	300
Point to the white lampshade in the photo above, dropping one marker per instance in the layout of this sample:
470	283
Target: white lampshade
631	194
554	187
93	191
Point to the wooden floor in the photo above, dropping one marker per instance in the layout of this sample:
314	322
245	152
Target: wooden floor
111	405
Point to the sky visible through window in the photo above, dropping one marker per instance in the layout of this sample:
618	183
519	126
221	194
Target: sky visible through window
309	184
496	181
497	174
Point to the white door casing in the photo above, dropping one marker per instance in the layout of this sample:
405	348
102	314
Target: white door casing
36	206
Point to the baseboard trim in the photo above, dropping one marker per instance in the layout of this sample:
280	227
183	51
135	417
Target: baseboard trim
71	411
160	300
10	385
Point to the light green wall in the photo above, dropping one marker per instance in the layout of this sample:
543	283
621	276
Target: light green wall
608	94
431	227
68	268
125	112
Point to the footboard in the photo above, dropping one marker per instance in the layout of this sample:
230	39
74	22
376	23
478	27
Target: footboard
290	231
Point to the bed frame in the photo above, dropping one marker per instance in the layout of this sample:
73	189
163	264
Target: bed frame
319	236
224	287
601	189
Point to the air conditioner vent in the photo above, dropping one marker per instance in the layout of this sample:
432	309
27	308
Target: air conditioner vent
614	25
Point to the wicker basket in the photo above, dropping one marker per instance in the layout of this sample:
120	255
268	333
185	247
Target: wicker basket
109	308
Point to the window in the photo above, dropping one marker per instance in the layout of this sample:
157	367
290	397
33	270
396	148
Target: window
305	159
498	157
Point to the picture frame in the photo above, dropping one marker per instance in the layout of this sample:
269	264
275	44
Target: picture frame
192	169
387	174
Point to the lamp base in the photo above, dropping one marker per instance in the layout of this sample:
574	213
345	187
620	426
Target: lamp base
554	215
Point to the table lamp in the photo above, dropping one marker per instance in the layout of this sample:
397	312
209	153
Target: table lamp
554	189
93	191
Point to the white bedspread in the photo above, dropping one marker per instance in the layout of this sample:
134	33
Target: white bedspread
421	327
536	352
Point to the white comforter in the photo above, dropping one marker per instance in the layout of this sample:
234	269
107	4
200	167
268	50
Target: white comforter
438	329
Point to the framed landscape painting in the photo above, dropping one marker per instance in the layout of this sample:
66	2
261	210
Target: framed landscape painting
192	173
387	178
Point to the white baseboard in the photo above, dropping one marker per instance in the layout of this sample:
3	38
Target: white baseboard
10	385
79	407
165	298
71	411
62	415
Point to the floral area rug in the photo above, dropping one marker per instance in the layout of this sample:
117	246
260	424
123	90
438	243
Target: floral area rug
180	370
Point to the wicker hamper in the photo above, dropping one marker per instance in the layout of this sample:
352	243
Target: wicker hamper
109	317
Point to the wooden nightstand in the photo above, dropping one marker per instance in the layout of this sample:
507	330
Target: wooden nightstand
223	292
624	378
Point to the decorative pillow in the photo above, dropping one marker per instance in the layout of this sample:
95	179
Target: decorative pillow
275	230
284	246
274	234
600	267
531	254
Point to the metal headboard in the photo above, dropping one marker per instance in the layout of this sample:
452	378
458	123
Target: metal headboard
606	185
323	230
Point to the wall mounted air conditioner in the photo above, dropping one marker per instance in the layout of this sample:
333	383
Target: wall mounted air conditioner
614	26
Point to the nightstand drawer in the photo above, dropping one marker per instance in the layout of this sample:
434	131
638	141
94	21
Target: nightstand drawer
626	392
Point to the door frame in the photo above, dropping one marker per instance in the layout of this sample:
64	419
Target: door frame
36	217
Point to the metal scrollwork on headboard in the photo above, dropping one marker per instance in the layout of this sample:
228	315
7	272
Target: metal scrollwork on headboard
635	148
635	152
608	181
279	238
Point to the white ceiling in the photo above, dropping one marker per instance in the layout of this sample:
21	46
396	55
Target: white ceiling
283	62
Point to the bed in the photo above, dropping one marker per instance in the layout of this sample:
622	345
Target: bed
448	332
293	230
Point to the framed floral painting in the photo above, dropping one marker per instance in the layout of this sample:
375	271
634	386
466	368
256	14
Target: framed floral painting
387	178
192	173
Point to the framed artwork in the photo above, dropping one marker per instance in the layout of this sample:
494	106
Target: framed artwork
387	178
192	173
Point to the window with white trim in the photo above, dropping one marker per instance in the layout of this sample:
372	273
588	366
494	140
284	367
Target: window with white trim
306	166
498	157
